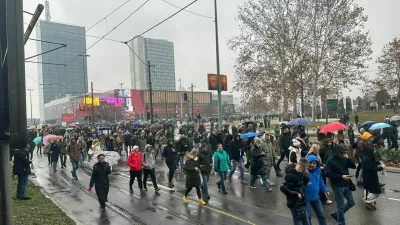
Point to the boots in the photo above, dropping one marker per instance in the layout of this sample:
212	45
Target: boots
224	192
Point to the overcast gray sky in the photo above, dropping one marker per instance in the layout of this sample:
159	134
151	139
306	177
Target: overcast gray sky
193	37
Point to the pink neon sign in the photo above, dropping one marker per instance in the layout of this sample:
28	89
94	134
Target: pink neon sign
113	101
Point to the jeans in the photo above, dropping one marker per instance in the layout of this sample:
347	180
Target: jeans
146	173
263	178
221	183
317	206
298	220
21	187
180	159
204	186
82	159
75	166
63	159
342	193
241	168
54	164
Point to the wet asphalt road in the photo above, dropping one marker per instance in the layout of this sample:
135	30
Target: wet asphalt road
242	205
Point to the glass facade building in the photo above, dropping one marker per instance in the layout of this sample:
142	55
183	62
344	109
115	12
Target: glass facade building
160	53
57	81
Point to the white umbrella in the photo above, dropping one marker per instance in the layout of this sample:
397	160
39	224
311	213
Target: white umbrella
395	118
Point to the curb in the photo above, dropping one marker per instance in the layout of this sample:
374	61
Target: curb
392	169
59	205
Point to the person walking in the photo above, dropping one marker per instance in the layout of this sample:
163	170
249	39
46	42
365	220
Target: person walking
21	169
170	156
293	187
135	168
285	141
148	164
74	157
314	187
315	150
370	175
55	154
100	180
205	165
191	168
236	155
221	166
268	157
82	149
62	144
337	170
257	167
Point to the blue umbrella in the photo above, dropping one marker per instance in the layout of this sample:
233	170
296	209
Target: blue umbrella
37	140
379	126
249	135
300	121
135	124
369	123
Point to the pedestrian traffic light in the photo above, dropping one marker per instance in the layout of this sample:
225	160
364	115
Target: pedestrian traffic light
148	115
185	96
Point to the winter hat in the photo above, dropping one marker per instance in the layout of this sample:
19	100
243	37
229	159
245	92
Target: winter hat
303	135
312	158
296	143
135	147
101	154
257	140
148	146
366	136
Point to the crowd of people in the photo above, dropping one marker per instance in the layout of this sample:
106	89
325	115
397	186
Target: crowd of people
200	153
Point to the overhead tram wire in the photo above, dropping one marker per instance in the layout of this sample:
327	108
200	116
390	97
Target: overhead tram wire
111	30
182	9
197	14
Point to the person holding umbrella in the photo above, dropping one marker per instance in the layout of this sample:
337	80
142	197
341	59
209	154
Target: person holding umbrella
100	180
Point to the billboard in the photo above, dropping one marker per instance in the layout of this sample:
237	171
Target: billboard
213	82
69	118
124	93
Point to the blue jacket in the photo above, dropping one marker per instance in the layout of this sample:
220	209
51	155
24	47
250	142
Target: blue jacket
316	183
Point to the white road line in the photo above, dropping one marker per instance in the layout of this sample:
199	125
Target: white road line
393	199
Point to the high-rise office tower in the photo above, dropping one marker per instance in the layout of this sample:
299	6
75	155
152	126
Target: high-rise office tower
160	53
56	80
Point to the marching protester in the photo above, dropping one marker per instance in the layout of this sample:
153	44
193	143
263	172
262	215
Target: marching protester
170	155
62	144
257	167
285	141
370	175
135	169
221	166
82	149
337	170
100	180
191	168
269	156
205	165
313	188
55	154
294	189
149	163
74	157
22	170
236	155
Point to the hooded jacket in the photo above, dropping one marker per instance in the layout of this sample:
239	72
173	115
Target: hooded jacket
149	158
221	161
235	149
370	169
205	161
285	141
135	161
294	185
192	176
169	154
337	166
268	149
316	183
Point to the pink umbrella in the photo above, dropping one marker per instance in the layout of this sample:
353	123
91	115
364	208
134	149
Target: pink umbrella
49	138
332	127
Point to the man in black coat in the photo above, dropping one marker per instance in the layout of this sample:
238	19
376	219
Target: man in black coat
22	170
213	140
370	174
285	141
205	164
337	170
100	180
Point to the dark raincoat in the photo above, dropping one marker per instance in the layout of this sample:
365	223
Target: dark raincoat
370	170
257	166
100	180
192	176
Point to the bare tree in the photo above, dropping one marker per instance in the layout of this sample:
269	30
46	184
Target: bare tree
389	70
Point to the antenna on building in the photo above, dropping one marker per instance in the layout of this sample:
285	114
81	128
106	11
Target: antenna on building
47	12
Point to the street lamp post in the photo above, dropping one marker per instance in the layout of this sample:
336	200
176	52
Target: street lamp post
30	99
84	56
218	69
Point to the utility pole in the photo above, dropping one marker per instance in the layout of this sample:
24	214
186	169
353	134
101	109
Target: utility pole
150	94
302	94
218	69
180	93
166	104
84	77
191	87
30	98
91	84
121	85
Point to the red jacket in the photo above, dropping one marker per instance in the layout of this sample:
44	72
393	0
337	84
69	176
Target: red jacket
135	161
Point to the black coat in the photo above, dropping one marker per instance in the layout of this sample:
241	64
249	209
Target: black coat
213	140
54	152
170	155
100	180
370	171
182	145
21	163
285	141
293	185
257	166
235	150
336	167
205	161
192	176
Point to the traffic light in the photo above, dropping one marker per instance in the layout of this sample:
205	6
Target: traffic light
198	113
185	96
148	115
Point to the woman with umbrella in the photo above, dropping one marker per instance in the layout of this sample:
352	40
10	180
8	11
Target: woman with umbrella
100	180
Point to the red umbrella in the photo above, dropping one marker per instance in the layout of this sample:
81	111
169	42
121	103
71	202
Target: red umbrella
332	127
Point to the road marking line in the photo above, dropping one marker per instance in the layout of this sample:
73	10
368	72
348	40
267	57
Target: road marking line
394	199
205	206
